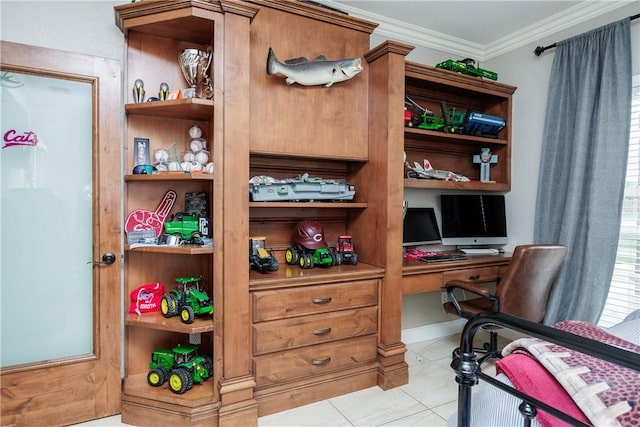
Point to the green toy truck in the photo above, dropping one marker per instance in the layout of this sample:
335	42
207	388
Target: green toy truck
188	299
306	258
181	366
191	228
467	66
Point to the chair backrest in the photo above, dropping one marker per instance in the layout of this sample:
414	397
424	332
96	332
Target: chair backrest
524	289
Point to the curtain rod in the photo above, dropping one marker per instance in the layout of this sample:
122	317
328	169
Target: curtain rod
541	49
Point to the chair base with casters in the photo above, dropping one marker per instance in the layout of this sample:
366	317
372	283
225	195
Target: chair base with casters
523	291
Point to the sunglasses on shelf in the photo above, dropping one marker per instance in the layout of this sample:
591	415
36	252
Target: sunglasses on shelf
144	170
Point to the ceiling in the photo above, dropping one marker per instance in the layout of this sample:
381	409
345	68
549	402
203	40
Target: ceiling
477	29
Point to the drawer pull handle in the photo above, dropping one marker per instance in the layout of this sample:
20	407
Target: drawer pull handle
474	277
321	331
326	300
320	362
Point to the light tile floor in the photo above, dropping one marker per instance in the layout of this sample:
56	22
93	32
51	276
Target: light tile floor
427	400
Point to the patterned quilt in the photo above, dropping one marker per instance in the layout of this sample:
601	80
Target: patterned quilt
608	394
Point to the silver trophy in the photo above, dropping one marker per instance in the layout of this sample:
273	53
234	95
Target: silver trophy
138	91
195	64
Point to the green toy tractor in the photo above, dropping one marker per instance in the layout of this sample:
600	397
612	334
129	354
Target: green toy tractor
467	66
305	258
188	299
181	366
308	247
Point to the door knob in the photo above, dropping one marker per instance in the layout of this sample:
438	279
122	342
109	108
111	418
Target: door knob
108	259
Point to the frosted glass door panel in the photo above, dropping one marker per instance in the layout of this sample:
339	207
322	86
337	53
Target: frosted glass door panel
46	275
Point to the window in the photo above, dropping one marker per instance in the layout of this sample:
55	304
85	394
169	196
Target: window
624	294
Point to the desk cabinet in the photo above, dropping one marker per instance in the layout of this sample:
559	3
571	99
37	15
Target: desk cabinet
313	337
419	276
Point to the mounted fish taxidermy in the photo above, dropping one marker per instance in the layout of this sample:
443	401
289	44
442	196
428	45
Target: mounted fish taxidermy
320	71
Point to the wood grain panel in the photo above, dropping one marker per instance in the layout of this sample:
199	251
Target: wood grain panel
472	274
311	121
421	283
296	332
285	303
315	360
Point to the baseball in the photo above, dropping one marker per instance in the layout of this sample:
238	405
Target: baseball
197	145
174	166
186	166
189	156
195	132
202	157
161	156
209	167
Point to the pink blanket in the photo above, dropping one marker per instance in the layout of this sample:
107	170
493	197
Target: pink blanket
582	386
528	375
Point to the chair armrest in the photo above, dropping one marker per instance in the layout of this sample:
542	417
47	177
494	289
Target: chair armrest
467	286
472	287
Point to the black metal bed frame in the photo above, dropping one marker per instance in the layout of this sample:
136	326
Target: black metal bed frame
468	371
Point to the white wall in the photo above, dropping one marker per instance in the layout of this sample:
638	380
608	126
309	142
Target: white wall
86	27
89	27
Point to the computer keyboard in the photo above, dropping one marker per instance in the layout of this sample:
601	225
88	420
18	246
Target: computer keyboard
442	257
432	256
485	251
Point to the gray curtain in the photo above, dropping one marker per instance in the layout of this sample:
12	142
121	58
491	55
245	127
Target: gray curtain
583	166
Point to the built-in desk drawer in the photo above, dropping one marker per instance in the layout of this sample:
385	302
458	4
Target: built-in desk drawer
314	360
318	328
482	274
284	303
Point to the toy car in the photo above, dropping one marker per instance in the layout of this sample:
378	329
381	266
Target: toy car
259	258
188	299
181	366
189	227
345	253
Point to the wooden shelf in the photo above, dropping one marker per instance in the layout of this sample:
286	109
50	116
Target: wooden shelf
199	395
170	176
188	109
293	275
430	87
172	324
299	205
434	136
455	185
178	250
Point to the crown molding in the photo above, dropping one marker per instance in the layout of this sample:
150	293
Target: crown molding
420	36
574	15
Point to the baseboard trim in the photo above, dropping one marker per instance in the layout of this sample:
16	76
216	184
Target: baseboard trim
431	332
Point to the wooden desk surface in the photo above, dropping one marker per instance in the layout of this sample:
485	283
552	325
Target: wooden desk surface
420	276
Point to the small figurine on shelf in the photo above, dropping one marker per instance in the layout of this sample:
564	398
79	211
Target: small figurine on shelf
163	93
138	91
428	172
485	158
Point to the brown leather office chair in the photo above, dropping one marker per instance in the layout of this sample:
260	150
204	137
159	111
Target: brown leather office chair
522	292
